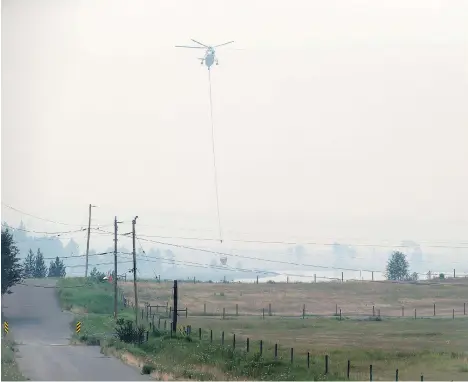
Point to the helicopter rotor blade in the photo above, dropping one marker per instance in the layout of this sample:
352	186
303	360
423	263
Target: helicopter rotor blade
192	47
198	42
230	42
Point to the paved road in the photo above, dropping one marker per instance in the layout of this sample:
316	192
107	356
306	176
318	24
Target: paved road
42	332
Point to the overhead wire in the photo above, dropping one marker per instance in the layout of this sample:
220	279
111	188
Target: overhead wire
463	244
261	259
47	220
316	243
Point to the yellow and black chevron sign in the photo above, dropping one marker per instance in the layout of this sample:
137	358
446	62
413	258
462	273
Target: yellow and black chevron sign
5	327
78	326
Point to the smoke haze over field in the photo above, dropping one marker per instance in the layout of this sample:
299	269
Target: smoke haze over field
336	122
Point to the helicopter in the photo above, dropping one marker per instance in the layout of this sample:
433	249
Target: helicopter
210	55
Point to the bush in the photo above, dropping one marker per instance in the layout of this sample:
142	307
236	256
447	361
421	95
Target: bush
147	369
126	332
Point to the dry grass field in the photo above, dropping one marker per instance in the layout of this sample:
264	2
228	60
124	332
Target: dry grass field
353	298
434	346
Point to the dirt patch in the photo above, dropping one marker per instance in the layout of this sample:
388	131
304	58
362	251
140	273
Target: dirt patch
131	360
78	310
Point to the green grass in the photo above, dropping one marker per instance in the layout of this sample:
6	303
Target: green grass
434	347
10	371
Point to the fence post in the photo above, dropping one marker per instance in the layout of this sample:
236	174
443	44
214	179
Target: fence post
326	364
336	309
142	313
248	343
292	355
453	314
276	351
211	335
269	309
165	324
263	313
308	360
341	276
152	320
373	310
434	309
204	308
422	377
147	335
415	313
224	313
396	375
234	341
402	311
315	278
303	311
199	334
378	312
348	369
340	314
237	309
370	373
261	347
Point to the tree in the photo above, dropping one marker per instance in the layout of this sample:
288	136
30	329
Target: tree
57	268
29	265
96	275
12	271
397	267
40	269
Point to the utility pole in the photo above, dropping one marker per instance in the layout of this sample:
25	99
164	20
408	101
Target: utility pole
175	308
134	271
115	267
87	242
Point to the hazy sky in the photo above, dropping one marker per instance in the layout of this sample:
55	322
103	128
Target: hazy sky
333	119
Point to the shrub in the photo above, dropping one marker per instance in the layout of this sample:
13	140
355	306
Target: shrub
147	369
126	332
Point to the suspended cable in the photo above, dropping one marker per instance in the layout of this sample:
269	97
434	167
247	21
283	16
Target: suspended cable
214	158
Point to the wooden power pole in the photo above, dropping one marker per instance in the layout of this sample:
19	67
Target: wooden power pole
135	271
175	308
87	242
115	267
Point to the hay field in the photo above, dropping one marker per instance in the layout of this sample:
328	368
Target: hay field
353	298
436	346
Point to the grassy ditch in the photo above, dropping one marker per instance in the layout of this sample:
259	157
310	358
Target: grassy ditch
10	371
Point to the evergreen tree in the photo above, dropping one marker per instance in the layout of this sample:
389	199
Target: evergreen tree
57	268
397	267
12	271
40	269
29	265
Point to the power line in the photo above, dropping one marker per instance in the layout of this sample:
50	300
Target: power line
303	242
47	220
257	258
464	244
57	233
